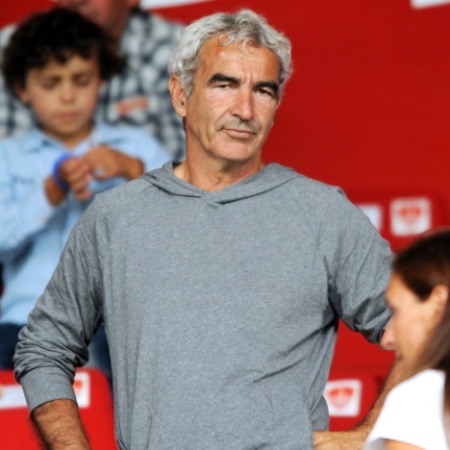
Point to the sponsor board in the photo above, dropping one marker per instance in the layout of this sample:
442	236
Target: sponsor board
410	216
343	397
374	212
428	3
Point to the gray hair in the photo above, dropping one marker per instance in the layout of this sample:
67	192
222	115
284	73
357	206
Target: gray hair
243	28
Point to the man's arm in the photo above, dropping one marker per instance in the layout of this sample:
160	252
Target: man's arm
354	439
59	425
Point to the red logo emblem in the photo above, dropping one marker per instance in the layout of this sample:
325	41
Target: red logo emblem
341	396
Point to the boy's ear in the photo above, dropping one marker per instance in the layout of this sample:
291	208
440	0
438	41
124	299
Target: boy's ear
22	93
178	95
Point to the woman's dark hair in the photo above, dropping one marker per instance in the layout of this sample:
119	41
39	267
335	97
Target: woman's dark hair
57	35
422	267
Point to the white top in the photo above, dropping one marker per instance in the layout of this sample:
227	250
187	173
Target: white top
413	413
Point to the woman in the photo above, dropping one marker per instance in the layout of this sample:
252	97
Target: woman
416	413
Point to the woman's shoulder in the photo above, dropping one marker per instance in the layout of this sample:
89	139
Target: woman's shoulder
424	388
422	383
412	413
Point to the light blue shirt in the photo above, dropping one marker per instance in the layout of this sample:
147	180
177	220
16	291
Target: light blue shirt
32	231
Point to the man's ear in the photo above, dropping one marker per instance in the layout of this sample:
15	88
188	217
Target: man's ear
179	98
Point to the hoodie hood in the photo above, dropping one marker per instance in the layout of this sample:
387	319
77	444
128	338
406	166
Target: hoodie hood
268	178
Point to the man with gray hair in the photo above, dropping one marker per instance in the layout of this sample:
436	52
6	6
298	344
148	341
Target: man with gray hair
220	280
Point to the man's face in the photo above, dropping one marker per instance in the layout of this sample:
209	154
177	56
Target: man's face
233	104
64	97
111	15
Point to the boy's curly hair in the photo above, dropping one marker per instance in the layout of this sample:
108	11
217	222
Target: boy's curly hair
57	35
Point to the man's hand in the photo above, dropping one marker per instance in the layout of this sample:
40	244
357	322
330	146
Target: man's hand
355	438
106	162
341	440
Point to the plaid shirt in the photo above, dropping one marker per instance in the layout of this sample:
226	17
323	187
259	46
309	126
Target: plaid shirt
138	96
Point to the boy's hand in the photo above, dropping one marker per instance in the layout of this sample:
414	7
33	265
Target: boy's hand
76	174
101	162
106	162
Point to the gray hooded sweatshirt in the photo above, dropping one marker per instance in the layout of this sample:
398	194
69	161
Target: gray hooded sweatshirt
220	308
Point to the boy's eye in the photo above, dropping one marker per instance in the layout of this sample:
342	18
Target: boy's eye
48	84
83	80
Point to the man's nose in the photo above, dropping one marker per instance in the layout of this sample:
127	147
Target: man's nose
244	104
388	341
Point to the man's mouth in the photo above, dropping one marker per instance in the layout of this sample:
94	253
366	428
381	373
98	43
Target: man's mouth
241	133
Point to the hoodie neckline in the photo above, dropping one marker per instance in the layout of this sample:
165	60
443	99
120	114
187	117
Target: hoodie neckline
270	176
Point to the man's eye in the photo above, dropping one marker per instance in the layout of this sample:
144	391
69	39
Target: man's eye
267	92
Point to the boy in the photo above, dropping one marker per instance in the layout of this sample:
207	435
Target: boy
55	63
139	94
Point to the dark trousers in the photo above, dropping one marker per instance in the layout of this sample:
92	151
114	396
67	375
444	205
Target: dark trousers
8	340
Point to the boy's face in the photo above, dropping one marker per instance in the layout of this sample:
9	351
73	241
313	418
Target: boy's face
64	97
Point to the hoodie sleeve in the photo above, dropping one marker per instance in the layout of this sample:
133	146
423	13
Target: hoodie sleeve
357	259
65	317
